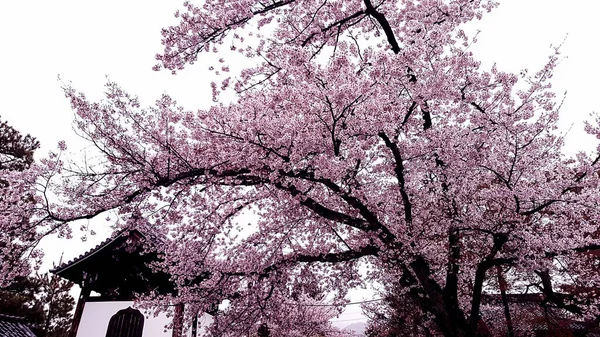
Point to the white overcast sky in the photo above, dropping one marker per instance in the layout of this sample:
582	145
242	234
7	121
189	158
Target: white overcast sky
85	41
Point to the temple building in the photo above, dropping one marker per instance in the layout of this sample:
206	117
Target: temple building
11	326
116	271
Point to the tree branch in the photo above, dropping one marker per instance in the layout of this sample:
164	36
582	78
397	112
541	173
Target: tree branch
385	25
399	170
371	218
489	262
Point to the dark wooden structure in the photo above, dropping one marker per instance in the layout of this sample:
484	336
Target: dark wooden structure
118	269
532	316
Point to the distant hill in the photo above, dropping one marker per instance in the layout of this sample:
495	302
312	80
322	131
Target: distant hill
358	327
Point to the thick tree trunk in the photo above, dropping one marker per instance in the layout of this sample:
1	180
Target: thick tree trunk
178	320
449	318
503	286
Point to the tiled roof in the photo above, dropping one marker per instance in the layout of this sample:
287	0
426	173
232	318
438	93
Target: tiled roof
11	326
120	266
116	235
90	252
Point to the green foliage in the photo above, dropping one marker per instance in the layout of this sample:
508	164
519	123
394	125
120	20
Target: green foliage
16	150
18	299
43	300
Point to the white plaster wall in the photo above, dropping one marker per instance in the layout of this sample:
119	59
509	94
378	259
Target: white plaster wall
96	315
204	322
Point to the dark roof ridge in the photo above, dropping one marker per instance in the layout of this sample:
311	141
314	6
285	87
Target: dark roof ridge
19	319
114	236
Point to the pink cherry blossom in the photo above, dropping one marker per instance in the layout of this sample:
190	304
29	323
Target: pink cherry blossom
363	136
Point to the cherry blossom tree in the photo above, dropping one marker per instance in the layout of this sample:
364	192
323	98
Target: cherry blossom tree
369	144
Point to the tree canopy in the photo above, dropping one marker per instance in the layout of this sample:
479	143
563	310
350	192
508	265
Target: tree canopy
17	235
16	150
43	300
370	145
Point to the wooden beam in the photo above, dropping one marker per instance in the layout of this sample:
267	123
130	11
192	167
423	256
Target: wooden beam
83	296
195	325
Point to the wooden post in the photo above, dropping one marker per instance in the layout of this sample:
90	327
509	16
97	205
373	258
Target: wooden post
195	325
83	296
178	320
